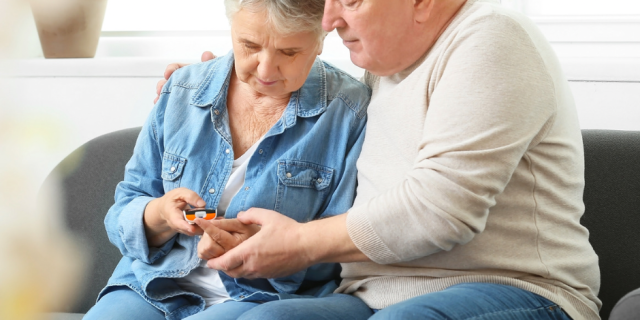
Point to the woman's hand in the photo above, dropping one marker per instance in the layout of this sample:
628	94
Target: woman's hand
222	235
206	56
163	217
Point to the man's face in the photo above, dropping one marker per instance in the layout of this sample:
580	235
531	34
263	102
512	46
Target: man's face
378	33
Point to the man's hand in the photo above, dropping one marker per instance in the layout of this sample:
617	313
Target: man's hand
223	235
206	56
278	249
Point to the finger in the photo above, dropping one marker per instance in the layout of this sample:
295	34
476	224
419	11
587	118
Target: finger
223	238
178	223
231	225
207	55
171	68
257	216
240	272
227	262
190	197
159	86
209	249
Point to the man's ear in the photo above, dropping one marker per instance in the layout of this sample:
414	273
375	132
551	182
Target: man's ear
423	9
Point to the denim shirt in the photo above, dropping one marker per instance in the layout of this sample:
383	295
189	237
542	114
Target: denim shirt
304	168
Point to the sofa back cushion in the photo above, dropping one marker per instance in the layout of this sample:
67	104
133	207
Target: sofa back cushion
612	215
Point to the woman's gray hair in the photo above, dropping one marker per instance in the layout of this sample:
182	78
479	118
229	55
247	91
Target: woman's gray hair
286	16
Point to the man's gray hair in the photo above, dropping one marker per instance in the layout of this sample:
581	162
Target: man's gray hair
286	16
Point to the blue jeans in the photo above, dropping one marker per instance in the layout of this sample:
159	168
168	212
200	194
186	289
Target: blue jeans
477	301
124	304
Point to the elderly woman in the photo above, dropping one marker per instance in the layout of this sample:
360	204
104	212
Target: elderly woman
268	125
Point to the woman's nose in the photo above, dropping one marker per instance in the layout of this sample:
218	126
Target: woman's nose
267	67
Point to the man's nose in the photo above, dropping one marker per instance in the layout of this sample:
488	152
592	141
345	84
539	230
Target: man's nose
332	18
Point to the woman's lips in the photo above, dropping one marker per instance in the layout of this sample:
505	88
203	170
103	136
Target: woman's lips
266	83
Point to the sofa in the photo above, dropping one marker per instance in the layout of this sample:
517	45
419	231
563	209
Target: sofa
612	198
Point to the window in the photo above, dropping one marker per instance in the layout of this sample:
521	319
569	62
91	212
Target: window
182	31
593	8
165	15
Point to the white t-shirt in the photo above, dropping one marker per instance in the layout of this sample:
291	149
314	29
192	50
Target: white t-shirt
202	280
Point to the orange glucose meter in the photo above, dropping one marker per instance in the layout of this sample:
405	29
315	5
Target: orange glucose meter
192	214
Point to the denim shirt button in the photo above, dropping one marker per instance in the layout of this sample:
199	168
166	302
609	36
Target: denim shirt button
246	189
212	191
173	169
227	151
216	112
319	180
260	151
181	273
288	174
241	297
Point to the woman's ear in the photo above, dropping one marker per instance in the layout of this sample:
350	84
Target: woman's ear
321	44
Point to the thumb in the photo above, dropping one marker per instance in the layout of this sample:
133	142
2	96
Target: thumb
192	198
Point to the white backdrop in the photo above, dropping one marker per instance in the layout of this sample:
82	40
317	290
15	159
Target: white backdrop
75	100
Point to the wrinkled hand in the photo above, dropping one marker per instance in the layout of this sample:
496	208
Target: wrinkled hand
222	235
163	217
277	250
206	56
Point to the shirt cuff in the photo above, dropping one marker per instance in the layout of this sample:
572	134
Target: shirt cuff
365	238
133	234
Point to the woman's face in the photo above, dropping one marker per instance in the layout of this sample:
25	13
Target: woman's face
272	64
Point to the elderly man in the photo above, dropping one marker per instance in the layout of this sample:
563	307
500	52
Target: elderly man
470	178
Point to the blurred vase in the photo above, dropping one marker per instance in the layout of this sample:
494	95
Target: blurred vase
69	28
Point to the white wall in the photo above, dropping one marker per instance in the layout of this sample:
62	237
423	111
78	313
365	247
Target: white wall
76	100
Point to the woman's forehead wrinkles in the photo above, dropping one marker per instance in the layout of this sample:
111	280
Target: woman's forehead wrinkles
278	42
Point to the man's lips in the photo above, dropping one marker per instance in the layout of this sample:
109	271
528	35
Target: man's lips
349	42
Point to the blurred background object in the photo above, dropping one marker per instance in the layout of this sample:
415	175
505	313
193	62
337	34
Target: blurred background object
69	28
40	265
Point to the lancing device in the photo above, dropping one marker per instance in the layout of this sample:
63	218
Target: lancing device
204	213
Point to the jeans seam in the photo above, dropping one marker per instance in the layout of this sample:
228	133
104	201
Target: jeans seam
510	310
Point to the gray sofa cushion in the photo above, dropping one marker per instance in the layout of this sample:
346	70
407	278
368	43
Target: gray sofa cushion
612	200
89	178
612	215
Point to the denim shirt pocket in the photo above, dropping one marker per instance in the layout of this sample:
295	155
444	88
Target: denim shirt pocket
303	188
172	168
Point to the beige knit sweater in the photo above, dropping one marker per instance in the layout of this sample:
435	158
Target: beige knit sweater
472	171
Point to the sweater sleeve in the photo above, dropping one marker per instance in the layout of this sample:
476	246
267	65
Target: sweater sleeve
490	98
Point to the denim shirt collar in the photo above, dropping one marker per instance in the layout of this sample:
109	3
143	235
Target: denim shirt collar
308	101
